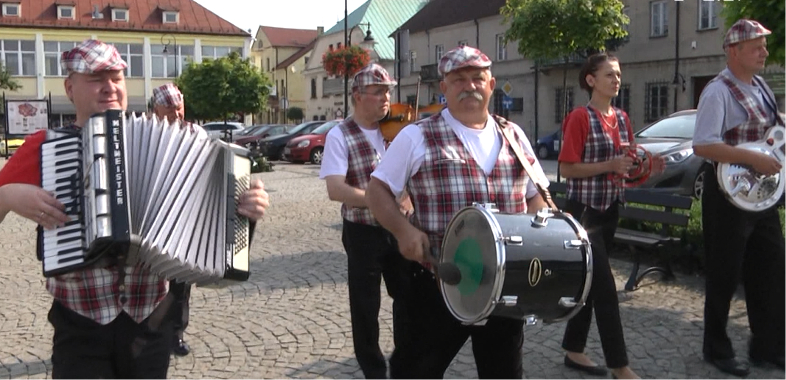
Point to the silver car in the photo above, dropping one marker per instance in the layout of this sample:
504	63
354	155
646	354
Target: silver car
672	138
218	129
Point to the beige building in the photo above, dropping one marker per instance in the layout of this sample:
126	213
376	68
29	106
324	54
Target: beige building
156	41
656	81
283	54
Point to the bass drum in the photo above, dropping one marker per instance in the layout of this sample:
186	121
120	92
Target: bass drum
520	266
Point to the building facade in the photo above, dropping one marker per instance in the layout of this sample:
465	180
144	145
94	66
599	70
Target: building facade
324	92
283	54
665	63
156	41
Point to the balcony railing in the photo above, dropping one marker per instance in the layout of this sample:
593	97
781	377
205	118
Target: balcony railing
333	86
429	73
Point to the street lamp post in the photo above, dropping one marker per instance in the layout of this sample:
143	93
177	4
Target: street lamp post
347	43
170	38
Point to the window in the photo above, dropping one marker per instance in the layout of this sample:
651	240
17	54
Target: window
216	52
413	59
268	63
313	88
171	17
659	21
502	48
657	97
626	12
134	57
708	14
119	14
462	43
52	52
499	108
170	63
65	11
559	98
12	10
622	100
439	51
18	56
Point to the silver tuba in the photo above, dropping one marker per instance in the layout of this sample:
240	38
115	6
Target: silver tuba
751	191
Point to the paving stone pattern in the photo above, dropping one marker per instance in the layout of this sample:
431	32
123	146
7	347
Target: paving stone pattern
291	319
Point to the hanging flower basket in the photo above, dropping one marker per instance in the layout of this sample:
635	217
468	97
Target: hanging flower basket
345	60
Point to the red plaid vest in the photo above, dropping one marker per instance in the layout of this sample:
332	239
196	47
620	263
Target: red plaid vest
599	192
758	121
362	160
450	179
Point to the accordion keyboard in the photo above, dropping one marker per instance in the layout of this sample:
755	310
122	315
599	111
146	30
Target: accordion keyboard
61	174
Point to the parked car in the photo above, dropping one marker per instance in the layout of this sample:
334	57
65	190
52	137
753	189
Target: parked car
14	142
219	129
548	146
309	147
251	139
272	147
672	138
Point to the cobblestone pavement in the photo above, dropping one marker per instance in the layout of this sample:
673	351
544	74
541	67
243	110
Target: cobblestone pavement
291	319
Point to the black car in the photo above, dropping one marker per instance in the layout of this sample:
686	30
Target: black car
672	138
273	147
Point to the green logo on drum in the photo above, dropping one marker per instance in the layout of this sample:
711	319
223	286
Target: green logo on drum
535	269
468	258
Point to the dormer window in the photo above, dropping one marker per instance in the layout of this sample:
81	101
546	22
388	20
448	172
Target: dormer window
119	14
171	17
65	11
12	9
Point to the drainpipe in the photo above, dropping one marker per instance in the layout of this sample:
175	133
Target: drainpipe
477	34
536	102
677	58
397	67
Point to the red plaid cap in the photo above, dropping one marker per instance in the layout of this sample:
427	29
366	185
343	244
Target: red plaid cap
92	56
168	95
744	30
463	56
372	74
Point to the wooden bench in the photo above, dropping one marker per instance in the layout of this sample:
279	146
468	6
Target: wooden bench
662	243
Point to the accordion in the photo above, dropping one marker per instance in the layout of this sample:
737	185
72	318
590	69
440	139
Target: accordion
143	190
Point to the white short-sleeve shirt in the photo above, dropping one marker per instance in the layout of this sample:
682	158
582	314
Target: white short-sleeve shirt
408	150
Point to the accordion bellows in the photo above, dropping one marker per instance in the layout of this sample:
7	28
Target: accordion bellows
141	189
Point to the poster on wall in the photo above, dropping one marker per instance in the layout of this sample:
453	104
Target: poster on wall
27	116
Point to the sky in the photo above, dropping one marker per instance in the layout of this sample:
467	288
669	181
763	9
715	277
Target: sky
297	14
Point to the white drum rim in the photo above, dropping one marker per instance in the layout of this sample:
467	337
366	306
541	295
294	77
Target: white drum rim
496	290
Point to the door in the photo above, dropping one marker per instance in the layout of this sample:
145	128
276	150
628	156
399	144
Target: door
698	86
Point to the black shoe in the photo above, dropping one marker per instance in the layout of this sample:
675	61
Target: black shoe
180	348
730	366
594	370
776	360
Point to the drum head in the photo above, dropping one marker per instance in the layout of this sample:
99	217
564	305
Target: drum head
472	243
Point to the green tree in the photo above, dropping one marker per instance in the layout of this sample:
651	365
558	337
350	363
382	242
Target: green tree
295	113
550	29
769	13
218	89
555	29
6	82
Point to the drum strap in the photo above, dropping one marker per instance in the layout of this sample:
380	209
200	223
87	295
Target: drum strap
540	182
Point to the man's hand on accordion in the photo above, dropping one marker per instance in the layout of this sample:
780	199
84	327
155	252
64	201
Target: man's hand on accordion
254	201
32	202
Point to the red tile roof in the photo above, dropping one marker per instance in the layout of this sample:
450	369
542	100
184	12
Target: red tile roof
143	16
284	37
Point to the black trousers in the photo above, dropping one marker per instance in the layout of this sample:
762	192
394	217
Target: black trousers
748	247
85	349
179	310
602	297
372	254
436	337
